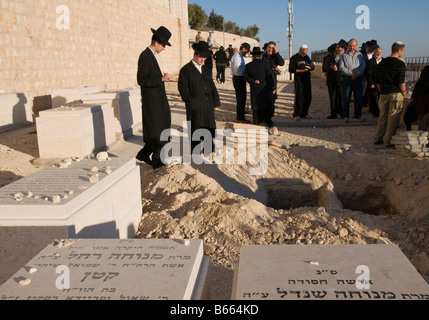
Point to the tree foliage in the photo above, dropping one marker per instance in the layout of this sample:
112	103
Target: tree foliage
199	20
197	17
215	21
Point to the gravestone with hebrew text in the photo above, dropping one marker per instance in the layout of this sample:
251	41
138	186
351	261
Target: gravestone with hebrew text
85	198
327	272
133	269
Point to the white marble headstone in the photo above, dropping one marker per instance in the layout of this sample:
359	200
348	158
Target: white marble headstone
109	269
327	272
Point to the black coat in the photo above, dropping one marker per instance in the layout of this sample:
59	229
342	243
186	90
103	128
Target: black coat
155	108
331	75
200	95
261	95
370	71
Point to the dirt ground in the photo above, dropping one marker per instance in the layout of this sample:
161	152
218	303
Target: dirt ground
326	183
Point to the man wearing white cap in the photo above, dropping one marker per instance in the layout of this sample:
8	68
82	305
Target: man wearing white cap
300	64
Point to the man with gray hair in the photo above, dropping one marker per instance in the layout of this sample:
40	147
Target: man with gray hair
352	65
300	64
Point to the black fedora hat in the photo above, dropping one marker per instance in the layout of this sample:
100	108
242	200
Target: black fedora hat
332	48
202	48
162	35
343	43
256	51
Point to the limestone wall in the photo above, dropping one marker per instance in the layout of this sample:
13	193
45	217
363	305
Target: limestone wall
220	40
39	53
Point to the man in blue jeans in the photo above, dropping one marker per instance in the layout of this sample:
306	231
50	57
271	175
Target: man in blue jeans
352	65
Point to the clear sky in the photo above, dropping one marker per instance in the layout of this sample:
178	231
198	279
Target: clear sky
319	23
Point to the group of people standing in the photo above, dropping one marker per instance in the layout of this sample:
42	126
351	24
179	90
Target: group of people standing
261	74
370	80
348	72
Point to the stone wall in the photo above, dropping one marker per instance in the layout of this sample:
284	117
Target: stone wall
218	37
51	44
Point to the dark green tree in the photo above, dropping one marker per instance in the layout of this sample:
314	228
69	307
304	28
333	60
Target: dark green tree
251	31
215	21
197	17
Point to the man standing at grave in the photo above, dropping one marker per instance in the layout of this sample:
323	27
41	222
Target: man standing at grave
330	69
370	72
155	108
262	86
300	64
200	95
352	65
238	66
390	80
275	60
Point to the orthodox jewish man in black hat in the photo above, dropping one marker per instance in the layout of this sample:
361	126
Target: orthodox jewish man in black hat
200	95
155	108
262	87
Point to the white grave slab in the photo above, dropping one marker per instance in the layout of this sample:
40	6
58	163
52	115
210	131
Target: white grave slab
106	269
75	130
66	95
127	108
14	109
110	208
330	272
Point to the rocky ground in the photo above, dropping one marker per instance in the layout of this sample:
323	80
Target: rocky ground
326	183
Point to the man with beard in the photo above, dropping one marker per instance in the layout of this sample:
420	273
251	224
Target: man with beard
262	86
373	92
200	95
330	68
155	108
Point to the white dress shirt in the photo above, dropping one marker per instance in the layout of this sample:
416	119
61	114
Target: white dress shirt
199	68
238	64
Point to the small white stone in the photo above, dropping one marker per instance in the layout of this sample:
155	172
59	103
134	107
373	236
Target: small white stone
314	263
108	171
102	156
56	199
24	282
186	242
94	178
70	192
18	195
36	197
94	169
32	270
29	194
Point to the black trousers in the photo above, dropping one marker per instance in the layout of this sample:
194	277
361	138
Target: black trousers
374	94
335	89
220	73
303	96
264	115
240	87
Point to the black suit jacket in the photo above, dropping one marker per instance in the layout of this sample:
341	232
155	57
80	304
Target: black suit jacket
261	94
155	107
200	95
